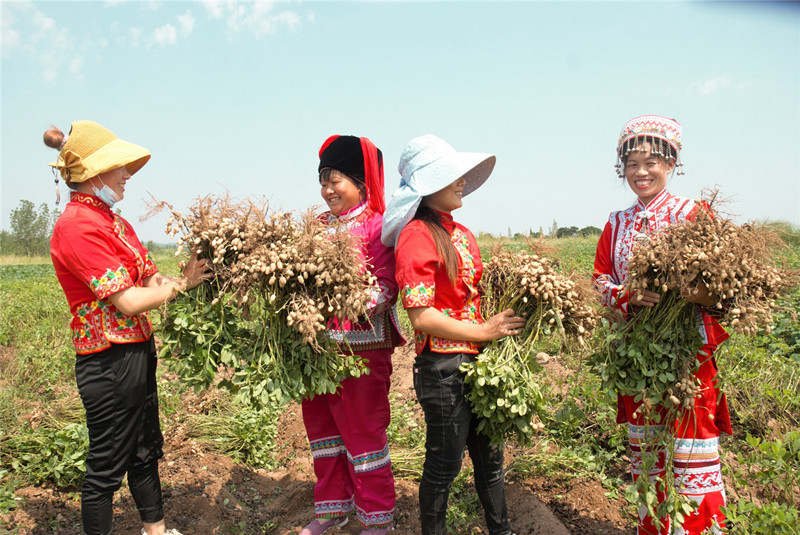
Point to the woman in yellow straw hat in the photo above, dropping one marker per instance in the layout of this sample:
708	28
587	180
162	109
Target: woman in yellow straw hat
110	283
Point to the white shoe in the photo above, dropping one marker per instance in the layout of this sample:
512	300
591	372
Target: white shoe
170	531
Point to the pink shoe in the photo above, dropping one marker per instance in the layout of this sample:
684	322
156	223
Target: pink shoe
377	531
318	527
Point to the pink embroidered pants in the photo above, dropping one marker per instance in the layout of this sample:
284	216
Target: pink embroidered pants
347	433
695	459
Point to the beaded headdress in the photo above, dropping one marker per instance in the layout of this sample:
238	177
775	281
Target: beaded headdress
662	134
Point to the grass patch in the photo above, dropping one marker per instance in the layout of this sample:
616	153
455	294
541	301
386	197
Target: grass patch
245	434
20	260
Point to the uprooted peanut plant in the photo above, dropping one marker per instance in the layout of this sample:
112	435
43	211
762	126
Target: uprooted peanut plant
260	321
505	391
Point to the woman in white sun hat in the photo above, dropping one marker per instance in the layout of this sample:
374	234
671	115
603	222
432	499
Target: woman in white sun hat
110	283
438	271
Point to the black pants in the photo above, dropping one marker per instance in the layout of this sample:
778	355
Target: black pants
450	428
118	389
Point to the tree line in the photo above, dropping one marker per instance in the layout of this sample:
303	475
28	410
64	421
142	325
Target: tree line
30	230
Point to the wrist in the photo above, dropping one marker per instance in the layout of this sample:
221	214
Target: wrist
483	333
179	285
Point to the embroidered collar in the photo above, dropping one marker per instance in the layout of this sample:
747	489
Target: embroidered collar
352	213
91	200
652	207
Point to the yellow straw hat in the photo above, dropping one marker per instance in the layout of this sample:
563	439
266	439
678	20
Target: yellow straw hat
91	149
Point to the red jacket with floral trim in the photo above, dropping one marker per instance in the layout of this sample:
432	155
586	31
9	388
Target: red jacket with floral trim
424	282
96	253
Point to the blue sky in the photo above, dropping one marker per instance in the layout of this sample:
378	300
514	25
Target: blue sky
238	96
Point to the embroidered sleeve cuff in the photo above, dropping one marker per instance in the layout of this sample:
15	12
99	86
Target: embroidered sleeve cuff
612	295
418	296
149	267
111	282
382	298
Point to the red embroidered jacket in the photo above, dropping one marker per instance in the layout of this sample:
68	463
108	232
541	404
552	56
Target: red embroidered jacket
96	253
424	282
611	267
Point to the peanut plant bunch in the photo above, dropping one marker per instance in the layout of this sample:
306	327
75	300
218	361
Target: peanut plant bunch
262	319
653	357
735	262
653	354
530	285
504	388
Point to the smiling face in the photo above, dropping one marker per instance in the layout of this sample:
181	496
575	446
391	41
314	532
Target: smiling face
339	191
447	199
646	173
114	179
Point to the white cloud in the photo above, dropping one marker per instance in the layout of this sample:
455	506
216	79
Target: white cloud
41	38
49	74
75	67
51	45
168	33
711	85
187	23
165	35
152	5
717	84
10	39
213	8
259	16
135	34
43	23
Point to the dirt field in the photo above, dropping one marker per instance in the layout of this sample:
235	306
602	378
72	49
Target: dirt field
206	493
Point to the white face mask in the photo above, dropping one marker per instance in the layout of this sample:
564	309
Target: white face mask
106	194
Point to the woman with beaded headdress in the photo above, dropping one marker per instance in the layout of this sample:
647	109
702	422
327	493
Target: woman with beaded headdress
111	283
347	429
439	271
648	152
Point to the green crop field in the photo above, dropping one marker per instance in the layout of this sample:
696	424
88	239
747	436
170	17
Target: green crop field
43	438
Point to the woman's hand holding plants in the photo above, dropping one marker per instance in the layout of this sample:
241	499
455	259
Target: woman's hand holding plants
645	298
503	324
195	272
700	295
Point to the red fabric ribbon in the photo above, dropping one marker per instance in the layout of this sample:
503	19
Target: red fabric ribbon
373	176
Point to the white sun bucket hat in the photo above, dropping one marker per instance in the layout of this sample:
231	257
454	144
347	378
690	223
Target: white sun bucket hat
428	164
